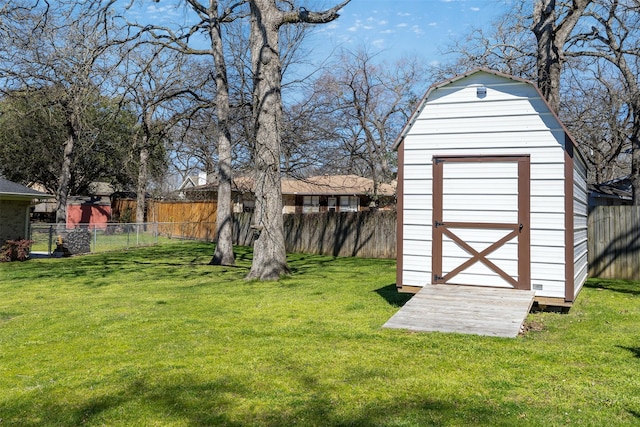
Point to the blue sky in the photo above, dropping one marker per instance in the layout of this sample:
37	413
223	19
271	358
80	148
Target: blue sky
415	27
396	27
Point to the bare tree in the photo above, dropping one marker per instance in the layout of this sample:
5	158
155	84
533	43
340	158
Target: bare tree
553	23
594	108
212	15
163	86
269	258
506	45
194	145
309	139
223	254
613	38
368	101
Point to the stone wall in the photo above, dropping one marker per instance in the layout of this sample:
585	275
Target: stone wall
78	241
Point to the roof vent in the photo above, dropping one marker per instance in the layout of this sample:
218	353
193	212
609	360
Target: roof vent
481	91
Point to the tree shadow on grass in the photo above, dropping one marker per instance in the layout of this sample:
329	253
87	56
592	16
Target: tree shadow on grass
634	350
220	403
622	286
392	296
305	264
636	414
186	401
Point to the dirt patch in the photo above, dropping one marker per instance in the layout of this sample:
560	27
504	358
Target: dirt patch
532	325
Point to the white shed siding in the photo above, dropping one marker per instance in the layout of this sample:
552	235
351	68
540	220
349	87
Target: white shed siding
580	212
512	120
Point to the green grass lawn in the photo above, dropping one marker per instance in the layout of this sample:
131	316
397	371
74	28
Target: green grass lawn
156	337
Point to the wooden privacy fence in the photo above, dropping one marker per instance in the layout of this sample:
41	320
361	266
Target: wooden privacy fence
363	234
370	234
198	216
614	242
196	219
613	232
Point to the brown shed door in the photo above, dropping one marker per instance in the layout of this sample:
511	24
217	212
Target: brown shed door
481	221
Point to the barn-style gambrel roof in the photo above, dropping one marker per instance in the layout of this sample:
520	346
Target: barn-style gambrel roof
423	102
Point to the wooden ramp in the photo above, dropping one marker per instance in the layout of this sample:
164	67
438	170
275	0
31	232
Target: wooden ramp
477	310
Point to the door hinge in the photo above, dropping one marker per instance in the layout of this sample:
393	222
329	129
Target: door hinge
438	224
437	278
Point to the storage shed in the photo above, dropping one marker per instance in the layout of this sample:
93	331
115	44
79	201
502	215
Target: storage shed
491	191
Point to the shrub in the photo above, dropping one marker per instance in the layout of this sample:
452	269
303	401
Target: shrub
15	250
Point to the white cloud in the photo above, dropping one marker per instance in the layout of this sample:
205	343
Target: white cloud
417	30
475	9
402	25
358	25
160	9
329	28
162	14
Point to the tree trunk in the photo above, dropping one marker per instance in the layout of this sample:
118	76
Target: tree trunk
548	63
143	176
223	254
269	256
635	152
65	180
551	37
635	175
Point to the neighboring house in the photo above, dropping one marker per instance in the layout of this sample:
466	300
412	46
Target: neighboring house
491	191
93	209
15	205
324	193
334	193
190	182
44	210
612	193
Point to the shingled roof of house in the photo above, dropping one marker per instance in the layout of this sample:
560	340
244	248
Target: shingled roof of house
13	189
323	185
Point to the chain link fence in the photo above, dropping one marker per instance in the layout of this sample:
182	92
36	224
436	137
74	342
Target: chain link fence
83	238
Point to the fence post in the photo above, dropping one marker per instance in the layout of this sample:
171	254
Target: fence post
95	238
50	239
156	231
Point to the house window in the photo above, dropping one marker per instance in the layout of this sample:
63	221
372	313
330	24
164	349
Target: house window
331	204
349	203
311	204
